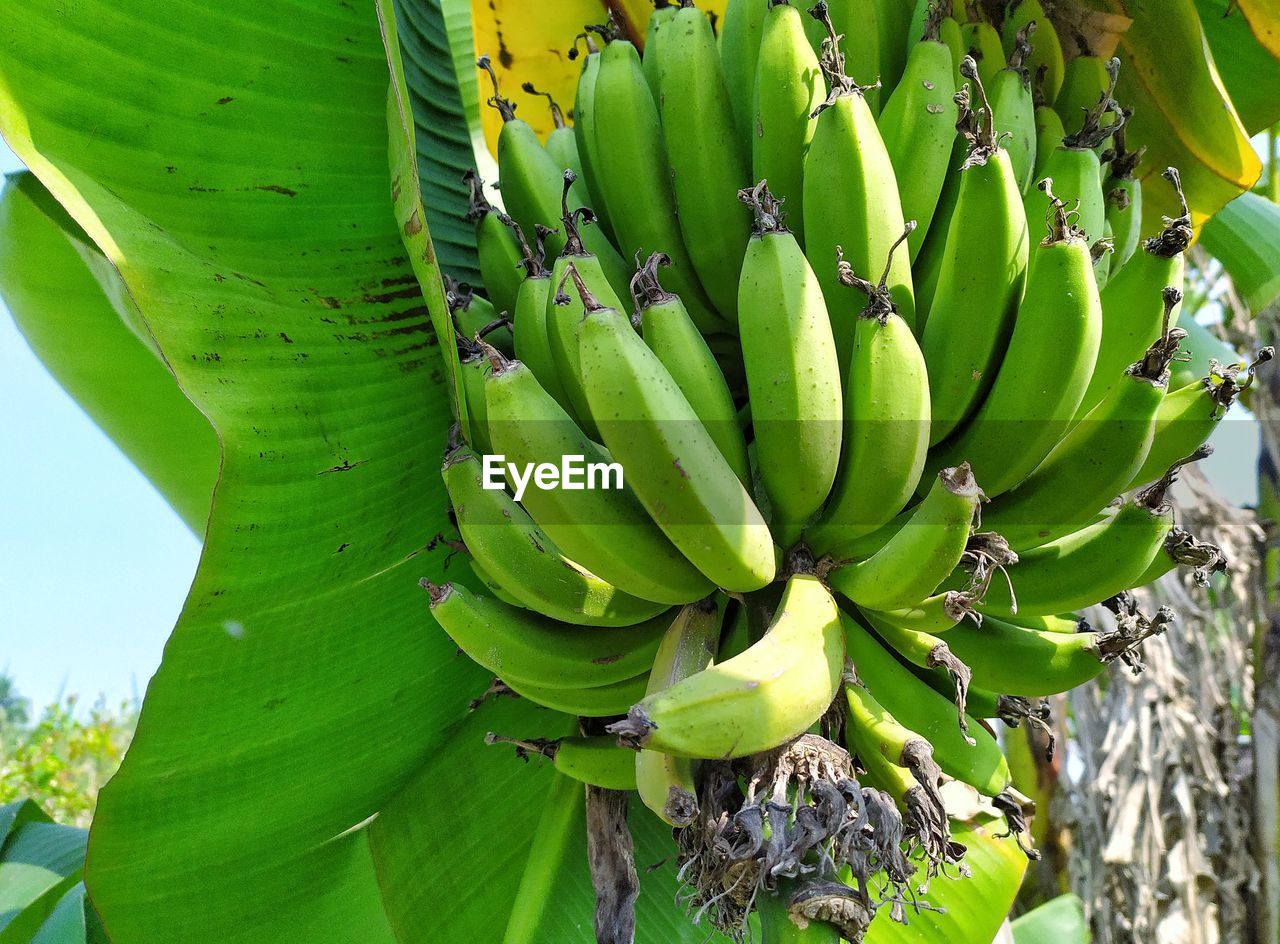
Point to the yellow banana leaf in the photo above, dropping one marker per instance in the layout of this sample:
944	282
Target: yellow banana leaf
1182	112
1263	17
530	42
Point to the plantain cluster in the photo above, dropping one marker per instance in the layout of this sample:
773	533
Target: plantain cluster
857	300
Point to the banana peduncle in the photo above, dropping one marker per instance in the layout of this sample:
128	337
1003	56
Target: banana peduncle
506	107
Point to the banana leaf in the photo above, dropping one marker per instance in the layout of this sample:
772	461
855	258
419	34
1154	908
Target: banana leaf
41	862
1245	238
1250	71
1058	921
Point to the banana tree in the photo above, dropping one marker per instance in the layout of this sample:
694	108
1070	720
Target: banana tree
229	247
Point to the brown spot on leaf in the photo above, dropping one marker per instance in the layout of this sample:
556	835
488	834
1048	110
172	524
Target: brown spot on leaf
413	225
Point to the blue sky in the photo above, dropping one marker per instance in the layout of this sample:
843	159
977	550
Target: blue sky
94	565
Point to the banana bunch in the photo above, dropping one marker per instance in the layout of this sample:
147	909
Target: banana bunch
846	317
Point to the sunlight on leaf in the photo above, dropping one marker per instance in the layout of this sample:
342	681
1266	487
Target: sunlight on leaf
1245	238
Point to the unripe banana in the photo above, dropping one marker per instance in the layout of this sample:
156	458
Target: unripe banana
980	278
520	557
1188	416
561	143
792	370
474	315
495	588
655	33
665	783
909	568
602	701
672	463
887	412
671	334
1133	316
709	161
1075	169
788	87
893	20
635	179
605	530
859	40
584	113
518	645
755	701
1046	368
851	200
475	371
1182	548
1048	48
740	32
532	184
1069	623
1084	79
1015	112
564	311
935	614
593	760
1092	564
496	248
1096	460
918	125
532	342
982	44
978	762
1123	192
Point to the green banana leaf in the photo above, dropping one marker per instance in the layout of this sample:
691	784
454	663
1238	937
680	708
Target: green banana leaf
973	907
71	325
1250	72
41	863
1245	238
1058	921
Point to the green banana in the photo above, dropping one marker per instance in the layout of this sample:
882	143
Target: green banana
1046	368
1096	460
982	44
475	371
1049	135
758	700
893	19
584	113
634	177
601	701
661	17
496	248
901	762
740	33
851	199
980	277
709	161
1084	79
531	340
1075	169
855	24
564	311
518	645
519	556
909	568
1015	111
1047	54
926	651
792	369
1182	548
788	87
605	530
474	315
935	614
975	759
887	412
918	126
595	760
672	463
1133	316
1188	416
1123	193
1092	564
495	588
665	783
561	143
671	334
1069	623
532	184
